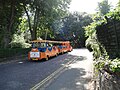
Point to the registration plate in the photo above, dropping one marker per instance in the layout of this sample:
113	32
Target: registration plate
34	59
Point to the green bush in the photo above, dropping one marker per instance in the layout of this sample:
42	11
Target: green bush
102	60
18	41
19	45
11	52
115	65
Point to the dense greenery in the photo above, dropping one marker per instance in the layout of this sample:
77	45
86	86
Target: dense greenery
33	16
103	7
102	59
43	13
10	11
18	41
25	20
12	52
72	28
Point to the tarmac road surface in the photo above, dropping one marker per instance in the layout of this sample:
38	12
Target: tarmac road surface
77	75
70	71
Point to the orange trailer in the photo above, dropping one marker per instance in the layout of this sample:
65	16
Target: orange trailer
64	46
44	49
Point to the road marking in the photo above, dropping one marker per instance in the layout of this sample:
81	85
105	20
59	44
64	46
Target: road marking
51	76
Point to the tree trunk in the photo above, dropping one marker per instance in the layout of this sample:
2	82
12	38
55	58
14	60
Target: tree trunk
11	16
29	22
6	40
7	34
35	24
34	28
33	35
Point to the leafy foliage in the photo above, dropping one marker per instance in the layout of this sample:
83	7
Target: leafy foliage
9	20
102	60
111	66
40	16
18	41
115	65
12	52
92	41
43	14
103	7
71	28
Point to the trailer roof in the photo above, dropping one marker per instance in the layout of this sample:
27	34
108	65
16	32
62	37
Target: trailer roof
49	41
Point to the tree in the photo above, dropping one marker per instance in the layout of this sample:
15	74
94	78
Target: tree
43	13
10	11
103	7
40	16
73	28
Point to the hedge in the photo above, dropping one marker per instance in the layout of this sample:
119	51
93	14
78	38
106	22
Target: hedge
11	52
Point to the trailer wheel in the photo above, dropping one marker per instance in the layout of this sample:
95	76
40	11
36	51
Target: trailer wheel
56	55
46	58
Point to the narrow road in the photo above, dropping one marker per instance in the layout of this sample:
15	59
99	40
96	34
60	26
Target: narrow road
24	75
77	76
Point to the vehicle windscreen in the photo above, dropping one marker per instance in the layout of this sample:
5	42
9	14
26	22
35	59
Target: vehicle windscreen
39	45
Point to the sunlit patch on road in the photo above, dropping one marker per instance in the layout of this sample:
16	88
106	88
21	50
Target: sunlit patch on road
78	83
20	62
62	64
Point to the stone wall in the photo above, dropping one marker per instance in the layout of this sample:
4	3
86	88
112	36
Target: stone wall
109	36
108	82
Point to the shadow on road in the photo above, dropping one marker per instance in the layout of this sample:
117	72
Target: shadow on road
29	73
71	79
77	75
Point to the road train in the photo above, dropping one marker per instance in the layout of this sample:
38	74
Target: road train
44	49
